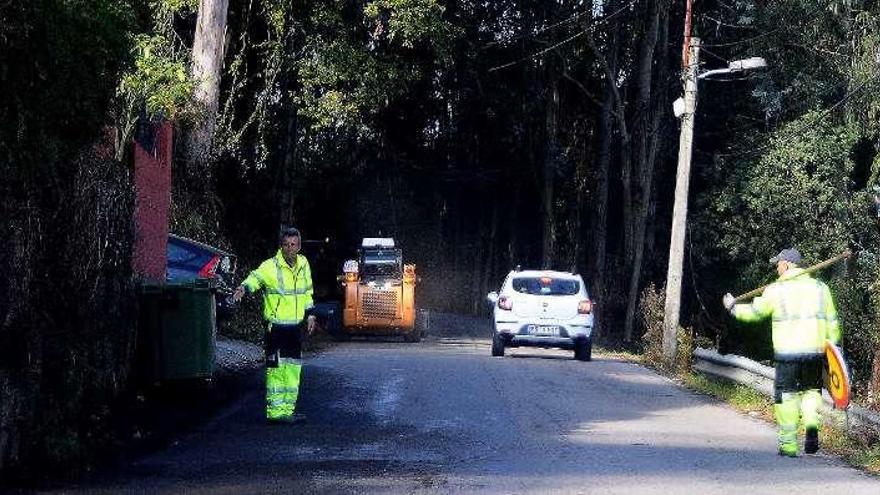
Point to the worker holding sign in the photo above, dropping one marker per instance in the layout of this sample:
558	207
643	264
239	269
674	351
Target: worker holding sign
804	318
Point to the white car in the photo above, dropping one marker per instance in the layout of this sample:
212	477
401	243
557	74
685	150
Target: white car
542	308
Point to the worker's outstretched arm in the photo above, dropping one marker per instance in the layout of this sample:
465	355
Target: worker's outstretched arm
759	309
254	282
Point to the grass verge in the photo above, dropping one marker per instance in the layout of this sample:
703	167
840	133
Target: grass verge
742	398
858	448
620	354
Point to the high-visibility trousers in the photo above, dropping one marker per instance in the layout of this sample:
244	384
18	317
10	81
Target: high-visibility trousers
283	370
795	408
282	388
797	399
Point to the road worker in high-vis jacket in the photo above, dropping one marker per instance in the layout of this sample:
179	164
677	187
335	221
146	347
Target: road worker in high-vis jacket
286	282
803	318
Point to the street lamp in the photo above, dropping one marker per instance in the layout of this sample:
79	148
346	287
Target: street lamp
685	109
751	63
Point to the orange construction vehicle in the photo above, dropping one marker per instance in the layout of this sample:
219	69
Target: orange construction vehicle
379	292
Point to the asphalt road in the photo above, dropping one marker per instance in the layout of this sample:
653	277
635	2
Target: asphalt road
444	417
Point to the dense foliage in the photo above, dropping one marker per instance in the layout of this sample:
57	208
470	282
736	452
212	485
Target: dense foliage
803	174
67	300
479	134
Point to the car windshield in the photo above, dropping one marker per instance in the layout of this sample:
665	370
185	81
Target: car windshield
546	286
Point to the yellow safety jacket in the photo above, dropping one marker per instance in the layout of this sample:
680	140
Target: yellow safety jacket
803	314
287	290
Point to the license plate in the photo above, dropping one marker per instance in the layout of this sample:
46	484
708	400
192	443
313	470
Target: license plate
544	329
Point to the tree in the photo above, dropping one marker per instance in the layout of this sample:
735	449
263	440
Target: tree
65	310
801	172
207	62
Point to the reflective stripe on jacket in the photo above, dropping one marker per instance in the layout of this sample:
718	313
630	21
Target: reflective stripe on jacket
287	290
803	314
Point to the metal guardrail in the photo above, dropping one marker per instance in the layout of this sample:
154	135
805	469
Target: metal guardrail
760	377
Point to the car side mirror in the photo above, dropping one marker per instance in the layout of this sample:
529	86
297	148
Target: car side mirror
492	298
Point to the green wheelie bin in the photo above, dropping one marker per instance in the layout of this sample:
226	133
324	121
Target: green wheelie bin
177	330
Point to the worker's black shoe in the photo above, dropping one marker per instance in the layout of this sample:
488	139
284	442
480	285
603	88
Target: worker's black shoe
811	442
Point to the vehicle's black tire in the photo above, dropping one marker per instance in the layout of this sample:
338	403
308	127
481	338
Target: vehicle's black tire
583	350
497	345
414	336
340	336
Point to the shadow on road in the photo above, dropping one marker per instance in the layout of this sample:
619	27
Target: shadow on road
444	416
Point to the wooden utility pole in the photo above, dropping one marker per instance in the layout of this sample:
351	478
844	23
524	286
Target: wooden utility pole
672	307
686	46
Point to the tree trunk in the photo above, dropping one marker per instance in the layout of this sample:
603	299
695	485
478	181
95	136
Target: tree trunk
479	252
548	176
659	133
286	194
459	258
614	104
207	62
513	249
874	385
581	174
489	267
599	220
643	164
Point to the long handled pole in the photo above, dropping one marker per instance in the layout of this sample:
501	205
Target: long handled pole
818	266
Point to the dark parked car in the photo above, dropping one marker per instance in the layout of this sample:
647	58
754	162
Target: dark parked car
189	260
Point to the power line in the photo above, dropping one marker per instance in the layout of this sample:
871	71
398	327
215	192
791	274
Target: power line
567	40
719	57
740	42
813	121
719	22
812	17
538	54
574	17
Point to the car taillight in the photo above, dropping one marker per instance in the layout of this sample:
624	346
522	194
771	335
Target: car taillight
505	303
585	307
210	268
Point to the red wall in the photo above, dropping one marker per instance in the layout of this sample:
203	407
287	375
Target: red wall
152	180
